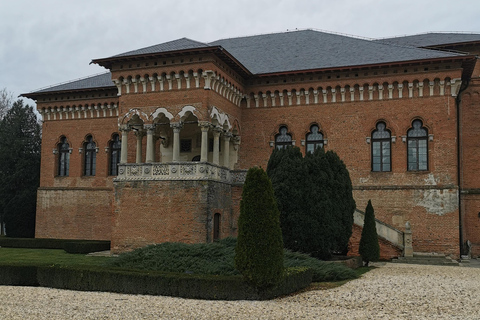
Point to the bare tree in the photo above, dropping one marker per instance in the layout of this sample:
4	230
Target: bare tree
6	101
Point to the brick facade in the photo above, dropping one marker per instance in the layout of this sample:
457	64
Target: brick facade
188	89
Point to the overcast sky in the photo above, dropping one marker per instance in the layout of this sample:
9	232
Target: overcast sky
47	42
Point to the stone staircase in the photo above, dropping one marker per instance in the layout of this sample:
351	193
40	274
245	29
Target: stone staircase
428	259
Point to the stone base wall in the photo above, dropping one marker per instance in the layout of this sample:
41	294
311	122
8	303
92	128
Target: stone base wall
74	213
148	212
471	221
432	213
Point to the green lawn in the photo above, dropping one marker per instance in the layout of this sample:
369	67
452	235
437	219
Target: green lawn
48	257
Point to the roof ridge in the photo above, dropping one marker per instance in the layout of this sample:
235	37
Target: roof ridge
295	30
428	32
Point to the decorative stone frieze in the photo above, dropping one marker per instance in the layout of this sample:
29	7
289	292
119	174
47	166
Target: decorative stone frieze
178	171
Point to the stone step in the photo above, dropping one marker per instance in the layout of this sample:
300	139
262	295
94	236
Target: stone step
427	260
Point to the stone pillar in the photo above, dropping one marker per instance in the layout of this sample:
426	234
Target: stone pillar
400	90
139	133
370	92
226	149
407	241
216	145
150	143
124	148
176	140
118	83
272	96
204	126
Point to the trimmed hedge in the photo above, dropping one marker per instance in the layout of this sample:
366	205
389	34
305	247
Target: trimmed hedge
86	246
18	275
69	245
152	283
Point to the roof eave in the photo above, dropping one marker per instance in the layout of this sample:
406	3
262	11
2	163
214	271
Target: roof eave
107	62
366	66
33	95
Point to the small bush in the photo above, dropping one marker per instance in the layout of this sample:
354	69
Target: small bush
369	248
259	250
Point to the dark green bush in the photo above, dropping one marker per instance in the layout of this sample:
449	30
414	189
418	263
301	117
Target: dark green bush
214	258
314	196
322	271
217	259
259	250
369	248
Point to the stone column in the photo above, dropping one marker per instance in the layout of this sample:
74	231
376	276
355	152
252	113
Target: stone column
124	148
139	133
226	149
150	143
204	126
407	241
176	140
216	145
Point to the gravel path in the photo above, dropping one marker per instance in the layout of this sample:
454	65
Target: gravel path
393	291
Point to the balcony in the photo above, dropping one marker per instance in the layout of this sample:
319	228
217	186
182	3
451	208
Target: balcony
179	171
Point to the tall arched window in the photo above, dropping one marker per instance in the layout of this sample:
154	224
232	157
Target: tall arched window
115	152
90	156
283	139
63	157
381	148
417	144
216	227
314	139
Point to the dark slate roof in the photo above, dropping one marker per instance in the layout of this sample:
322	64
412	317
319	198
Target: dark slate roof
103	80
175	45
310	49
433	39
286	51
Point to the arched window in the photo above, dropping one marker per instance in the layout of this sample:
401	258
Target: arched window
283	139
417	144
63	157
216	227
381	148
90	156
115	152
314	139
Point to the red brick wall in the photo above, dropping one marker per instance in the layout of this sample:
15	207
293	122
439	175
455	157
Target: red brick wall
470	155
78	213
148	212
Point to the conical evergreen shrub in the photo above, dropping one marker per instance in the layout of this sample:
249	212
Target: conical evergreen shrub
259	249
369	248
